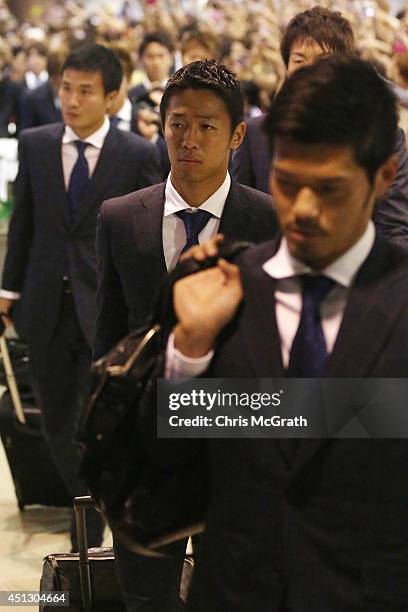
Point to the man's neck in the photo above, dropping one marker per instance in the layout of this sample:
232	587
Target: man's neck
85	133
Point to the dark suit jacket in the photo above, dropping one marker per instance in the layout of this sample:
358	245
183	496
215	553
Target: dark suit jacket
43	246
131	260
10	95
324	528
251	164
137	92
38	107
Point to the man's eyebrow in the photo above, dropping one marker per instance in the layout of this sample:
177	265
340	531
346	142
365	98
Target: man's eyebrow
200	116
337	178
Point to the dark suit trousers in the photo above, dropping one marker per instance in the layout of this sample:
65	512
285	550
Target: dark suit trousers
61	373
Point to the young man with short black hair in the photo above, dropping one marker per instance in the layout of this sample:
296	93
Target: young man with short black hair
49	276
142	235
309	35
156	54
307	524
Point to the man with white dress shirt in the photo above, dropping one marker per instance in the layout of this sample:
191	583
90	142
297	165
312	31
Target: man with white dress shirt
142	235
307	524
49	277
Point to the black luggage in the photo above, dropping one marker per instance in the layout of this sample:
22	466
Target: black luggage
89	576
35	477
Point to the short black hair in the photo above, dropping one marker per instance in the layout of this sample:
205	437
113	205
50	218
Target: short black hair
96	58
328	28
162	38
339	100
207	74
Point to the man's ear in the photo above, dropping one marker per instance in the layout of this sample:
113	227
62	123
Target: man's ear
238	135
386	175
110	97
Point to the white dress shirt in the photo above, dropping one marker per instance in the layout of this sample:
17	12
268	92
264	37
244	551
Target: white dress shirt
288	296
35	80
69	157
174	234
70	152
124	115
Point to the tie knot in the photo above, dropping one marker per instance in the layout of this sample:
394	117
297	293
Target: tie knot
316	288
194	223
195	217
81	146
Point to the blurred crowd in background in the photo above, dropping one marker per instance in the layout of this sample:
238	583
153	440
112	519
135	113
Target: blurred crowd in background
243	35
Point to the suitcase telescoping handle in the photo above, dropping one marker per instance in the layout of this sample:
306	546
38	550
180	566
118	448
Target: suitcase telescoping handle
80	506
11	381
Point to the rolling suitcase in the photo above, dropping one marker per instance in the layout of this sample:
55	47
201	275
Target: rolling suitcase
88	576
35	477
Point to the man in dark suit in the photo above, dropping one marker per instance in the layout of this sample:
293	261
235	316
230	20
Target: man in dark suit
142	235
308	35
313	524
156	54
65	172
41	106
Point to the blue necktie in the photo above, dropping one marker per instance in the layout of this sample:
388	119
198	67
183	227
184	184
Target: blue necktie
79	179
114	120
309	353
194	223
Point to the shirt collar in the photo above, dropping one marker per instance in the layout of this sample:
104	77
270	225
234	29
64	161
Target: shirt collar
96	139
214	204
149	85
343	270
125	112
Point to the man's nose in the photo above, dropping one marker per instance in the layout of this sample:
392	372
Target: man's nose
306	206
72	100
191	137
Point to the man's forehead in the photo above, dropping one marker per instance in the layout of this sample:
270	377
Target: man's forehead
322	160
201	102
82	77
308	44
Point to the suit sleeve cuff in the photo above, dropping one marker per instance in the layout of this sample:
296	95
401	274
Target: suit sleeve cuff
180	366
9	295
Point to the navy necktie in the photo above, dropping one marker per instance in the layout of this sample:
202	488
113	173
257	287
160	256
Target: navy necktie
79	179
194	223
114	120
309	353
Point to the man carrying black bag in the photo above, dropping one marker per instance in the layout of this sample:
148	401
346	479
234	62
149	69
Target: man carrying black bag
142	235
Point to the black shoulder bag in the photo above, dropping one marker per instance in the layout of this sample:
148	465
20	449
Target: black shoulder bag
152	491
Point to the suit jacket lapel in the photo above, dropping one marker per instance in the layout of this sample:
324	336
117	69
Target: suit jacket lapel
237	214
148	224
109	160
56	174
259	331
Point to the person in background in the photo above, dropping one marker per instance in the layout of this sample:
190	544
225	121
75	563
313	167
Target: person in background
41	106
308	36
48	289
198	44
156	55
36	73
10	95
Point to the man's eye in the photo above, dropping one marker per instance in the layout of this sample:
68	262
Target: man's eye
327	190
207	126
176	125
287	187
